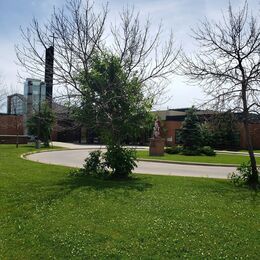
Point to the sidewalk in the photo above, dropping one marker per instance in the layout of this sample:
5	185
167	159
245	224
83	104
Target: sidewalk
236	153
98	146
91	146
76	158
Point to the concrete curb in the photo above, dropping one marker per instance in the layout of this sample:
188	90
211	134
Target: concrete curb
188	163
24	155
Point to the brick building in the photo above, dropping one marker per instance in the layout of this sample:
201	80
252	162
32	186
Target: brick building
11	126
65	129
254	129
172	121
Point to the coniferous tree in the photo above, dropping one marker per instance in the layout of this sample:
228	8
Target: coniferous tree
190	135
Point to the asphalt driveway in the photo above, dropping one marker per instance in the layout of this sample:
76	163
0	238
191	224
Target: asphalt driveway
75	158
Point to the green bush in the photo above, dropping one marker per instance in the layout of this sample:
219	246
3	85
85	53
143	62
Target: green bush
95	164
117	162
207	150
173	150
190	152
77	173
243	175
120	160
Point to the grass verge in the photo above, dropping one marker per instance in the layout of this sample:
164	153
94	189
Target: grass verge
255	151
45	214
218	159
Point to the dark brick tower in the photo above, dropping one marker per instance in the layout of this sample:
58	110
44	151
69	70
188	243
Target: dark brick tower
49	58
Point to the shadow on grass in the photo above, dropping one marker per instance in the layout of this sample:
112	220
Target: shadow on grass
234	193
119	190
133	183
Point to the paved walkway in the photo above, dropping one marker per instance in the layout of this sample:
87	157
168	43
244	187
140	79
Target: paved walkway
75	158
90	146
95	146
236	153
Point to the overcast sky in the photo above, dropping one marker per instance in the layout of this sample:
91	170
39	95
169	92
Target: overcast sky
180	15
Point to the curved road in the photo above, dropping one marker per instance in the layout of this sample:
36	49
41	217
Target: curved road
75	158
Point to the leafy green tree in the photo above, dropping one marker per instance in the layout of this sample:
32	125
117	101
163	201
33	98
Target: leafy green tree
115	101
190	134
224	130
41	123
113	105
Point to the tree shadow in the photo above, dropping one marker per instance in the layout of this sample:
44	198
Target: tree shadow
235	193
116	190
90	182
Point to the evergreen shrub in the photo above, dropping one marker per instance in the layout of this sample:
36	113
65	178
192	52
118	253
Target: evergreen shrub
207	150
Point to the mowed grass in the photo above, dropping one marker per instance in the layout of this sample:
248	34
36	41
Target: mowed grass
256	151
45	214
218	159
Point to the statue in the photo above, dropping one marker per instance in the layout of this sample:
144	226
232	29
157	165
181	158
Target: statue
156	147
157	129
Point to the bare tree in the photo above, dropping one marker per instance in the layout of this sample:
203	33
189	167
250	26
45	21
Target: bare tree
77	34
3	94
17	105
143	54
228	67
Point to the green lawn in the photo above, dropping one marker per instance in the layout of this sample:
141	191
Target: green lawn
45	214
218	159
256	151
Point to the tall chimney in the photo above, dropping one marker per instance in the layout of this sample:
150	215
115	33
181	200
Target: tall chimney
49	58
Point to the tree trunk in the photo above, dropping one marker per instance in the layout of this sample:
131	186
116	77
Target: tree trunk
253	180
17	133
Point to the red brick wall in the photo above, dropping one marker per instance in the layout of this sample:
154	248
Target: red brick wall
255	134
12	139
170	127
8	125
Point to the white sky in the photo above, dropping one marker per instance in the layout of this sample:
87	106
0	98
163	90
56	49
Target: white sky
178	15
